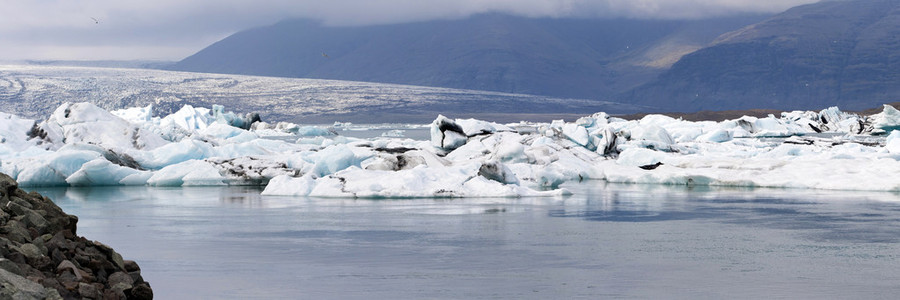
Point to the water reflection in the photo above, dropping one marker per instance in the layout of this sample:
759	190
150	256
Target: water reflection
98	194
248	197
843	216
633	241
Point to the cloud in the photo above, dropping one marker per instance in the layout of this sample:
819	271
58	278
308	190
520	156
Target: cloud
191	25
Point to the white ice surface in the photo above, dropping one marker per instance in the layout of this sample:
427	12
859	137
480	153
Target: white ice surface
101	172
892	143
453	181
187	173
81	144
87	123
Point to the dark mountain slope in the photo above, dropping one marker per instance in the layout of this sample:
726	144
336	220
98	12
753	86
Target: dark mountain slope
844	53
577	58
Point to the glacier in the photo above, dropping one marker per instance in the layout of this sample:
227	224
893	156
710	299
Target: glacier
81	144
34	91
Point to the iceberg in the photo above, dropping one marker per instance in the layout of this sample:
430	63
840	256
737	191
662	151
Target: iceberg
446	134
189	118
886	121
83	145
48	169
187	173
892	143
101	172
89	124
18	134
420	182
136	115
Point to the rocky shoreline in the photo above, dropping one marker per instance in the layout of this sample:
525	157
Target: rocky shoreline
41	257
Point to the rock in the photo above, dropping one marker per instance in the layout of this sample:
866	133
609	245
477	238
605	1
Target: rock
16	232
16	257
114	257
30	251
136	276
53	284
113	294
57	255
41	257
68	282
69	266
4	217
34	220
59	241
17	205
42	262
120	281
93	258
88	291
117	259
53	295
41	243
131	266
141	292
8	186
10	266
18	287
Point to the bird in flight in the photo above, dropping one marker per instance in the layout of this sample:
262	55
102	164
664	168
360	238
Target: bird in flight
324	55
95	20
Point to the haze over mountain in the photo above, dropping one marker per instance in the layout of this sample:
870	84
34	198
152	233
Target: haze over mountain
844	53
578	58
832	53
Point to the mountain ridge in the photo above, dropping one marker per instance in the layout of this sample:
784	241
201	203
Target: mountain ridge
831	53
569	58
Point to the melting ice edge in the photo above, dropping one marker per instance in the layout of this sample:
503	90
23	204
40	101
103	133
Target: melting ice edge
81	144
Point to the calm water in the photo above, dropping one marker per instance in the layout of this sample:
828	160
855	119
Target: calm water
607	241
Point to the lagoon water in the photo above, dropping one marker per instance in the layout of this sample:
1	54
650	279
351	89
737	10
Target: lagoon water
606	241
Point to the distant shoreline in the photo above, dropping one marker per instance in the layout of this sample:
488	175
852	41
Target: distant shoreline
735	114
424	118
428	117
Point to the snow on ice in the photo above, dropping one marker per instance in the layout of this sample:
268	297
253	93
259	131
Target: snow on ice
83	145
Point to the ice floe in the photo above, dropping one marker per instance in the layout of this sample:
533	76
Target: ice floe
82	145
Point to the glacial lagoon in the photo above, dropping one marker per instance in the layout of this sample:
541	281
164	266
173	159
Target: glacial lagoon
604	241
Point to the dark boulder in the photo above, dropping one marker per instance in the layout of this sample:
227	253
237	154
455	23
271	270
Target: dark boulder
43	258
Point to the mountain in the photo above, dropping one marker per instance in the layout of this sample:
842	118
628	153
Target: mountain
575	58
844	53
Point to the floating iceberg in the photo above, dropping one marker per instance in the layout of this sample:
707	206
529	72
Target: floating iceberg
81	144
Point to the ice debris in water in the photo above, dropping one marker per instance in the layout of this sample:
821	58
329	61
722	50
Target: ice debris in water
83	145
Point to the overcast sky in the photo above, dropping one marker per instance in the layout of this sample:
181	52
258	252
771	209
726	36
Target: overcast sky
174	29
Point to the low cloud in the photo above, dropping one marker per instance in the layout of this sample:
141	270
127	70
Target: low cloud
191	25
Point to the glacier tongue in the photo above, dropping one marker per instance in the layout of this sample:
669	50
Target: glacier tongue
81	144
